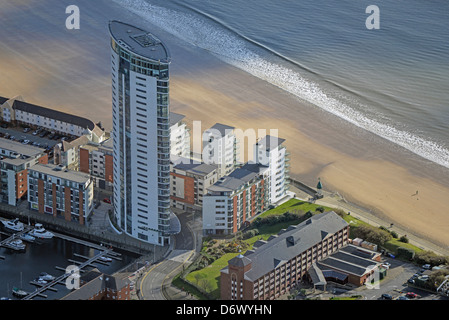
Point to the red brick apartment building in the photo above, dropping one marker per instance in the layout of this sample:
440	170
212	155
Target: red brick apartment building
60	192
274	266
234	199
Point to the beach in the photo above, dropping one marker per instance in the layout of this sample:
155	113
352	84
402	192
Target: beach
69	70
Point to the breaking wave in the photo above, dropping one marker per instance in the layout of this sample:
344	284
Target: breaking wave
234	48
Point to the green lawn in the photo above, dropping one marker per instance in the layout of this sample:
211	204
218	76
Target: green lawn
293	206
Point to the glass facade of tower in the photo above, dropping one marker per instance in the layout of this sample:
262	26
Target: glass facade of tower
141	135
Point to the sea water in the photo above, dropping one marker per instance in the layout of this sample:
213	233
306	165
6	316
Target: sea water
392	81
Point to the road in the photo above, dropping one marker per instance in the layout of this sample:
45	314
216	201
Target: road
160	275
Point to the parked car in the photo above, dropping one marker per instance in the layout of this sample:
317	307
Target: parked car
386	296
107	200
403	298
426	266
26	129
411	295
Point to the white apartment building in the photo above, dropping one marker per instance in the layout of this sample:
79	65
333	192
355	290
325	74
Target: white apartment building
179	136
141	134
220	148
270	152
18	111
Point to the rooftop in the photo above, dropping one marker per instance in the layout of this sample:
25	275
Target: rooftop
270	142
60	172
222	128
196	168
20	148
175	118
233	181
139	41
53	114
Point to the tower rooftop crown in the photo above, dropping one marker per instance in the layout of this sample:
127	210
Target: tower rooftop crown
139	41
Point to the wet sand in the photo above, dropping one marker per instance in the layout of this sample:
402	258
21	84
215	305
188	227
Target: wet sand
69	70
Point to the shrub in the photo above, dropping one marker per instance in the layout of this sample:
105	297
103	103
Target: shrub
406	253
250	233
404	239
372	234
430	257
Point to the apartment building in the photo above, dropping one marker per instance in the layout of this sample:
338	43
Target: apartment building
179	136
189	182
272	267
97	160
17	111
234	199
270	152
141	133
15	161
220	148
55	190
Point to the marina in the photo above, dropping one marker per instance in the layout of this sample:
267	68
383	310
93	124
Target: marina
60	253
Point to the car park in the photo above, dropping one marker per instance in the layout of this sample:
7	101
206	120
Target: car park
43	133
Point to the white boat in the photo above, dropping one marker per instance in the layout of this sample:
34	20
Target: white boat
19	292
40	281
14	225
16	244
105	259
47	277
40	232
27	237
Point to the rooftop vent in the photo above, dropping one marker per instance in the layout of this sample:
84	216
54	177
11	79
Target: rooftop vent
145	40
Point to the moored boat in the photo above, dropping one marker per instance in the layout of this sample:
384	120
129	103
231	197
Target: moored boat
105	259
19	292
40	232
13	225
47	277
16	244
27	237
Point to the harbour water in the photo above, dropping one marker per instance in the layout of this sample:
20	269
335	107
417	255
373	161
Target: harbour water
392	81
20	267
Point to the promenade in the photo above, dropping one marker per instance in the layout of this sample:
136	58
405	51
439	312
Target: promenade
335	201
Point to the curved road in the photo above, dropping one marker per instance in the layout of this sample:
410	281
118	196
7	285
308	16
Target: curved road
161	274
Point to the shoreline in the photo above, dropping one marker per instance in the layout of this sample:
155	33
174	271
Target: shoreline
75	75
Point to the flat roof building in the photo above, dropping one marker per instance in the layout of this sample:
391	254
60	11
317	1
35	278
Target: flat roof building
60	192
15	161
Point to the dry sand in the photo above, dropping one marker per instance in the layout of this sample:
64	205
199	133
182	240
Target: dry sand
70	70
